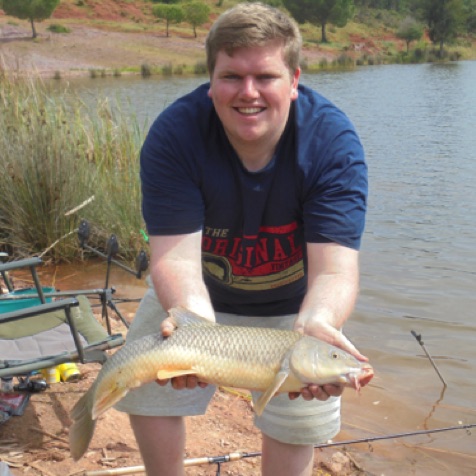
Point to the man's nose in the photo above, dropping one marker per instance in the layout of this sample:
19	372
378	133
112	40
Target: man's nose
249	87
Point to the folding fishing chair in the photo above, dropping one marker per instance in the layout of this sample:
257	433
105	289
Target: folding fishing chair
37	332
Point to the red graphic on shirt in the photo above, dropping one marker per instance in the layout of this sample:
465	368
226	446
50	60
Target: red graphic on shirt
272	258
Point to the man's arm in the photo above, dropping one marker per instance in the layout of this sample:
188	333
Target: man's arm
333	284
176	271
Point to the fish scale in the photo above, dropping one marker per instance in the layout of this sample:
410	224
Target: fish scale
263	359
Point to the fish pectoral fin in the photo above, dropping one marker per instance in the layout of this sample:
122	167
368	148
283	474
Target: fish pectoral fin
269	393
183	317
167	374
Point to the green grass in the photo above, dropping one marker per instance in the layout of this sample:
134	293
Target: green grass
56	154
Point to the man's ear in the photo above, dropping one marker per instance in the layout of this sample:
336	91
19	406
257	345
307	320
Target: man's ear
294	84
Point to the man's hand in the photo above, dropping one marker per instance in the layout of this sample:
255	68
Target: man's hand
319	392
185	381
333	336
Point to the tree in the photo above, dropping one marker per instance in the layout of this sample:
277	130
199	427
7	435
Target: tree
409	30
444	19
32	10
196	13
470	15
169	13
321	12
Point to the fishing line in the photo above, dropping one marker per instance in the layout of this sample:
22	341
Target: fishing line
219	460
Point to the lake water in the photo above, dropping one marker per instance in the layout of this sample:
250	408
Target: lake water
418	259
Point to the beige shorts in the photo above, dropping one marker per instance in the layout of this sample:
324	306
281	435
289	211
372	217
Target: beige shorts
297	421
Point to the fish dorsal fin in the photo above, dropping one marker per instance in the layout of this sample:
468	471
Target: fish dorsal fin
278	381
183	317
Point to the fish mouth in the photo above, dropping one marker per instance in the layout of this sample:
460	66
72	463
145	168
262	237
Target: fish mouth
361	378
366	375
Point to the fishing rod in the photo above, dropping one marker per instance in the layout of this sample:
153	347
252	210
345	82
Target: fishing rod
219	460
420	341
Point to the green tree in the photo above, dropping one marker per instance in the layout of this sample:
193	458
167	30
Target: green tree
409	30
169	13
444	19
470	15
321	12
32	10
196	13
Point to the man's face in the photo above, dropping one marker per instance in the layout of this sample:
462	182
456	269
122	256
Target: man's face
252	92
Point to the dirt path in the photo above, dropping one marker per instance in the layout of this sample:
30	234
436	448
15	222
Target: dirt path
86	48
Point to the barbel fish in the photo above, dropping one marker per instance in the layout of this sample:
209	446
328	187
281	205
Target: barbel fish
262	359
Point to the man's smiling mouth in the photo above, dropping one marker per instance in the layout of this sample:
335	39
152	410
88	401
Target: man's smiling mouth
250	110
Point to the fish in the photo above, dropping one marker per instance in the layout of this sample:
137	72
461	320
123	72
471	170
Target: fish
268	360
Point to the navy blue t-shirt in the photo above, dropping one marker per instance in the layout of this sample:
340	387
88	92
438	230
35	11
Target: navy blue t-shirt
255	224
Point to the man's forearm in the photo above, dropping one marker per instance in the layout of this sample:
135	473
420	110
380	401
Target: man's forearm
333	281
176	272
330	299
178	284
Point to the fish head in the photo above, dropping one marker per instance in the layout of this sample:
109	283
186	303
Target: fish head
315	362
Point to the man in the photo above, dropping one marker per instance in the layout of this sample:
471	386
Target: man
254	195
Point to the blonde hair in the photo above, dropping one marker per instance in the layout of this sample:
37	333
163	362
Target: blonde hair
253	24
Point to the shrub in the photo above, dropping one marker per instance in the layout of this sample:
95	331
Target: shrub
145	70
323	63
200	68
167	69
56	28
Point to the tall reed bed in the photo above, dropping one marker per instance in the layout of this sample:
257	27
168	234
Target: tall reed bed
56	153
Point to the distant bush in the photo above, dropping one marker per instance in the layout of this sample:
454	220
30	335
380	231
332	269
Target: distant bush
56	28
145	70
200	68
344	61
167	69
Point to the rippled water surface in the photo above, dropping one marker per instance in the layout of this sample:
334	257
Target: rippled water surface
418	259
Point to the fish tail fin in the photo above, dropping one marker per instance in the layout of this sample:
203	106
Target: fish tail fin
82	430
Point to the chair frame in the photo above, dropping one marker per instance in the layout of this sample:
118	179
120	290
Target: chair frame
83	354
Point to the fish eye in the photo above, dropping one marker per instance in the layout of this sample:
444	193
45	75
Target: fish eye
334	355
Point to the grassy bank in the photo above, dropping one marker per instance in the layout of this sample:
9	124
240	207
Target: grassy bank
57	154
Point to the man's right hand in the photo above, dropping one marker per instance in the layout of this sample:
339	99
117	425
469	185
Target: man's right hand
186	381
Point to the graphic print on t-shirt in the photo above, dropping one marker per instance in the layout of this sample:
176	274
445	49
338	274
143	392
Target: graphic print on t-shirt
268	260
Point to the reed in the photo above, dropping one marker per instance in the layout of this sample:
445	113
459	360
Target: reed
56	152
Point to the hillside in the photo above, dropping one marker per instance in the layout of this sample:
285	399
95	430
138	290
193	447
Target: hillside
117	36
120	36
